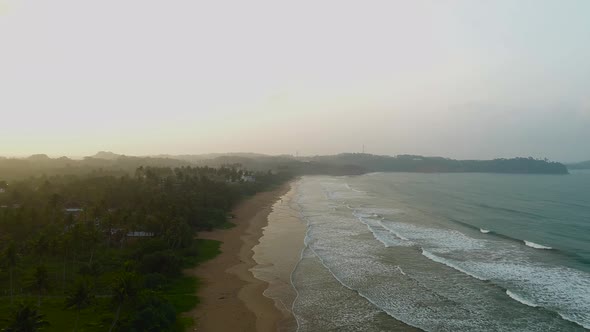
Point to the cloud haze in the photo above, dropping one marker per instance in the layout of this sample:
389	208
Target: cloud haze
462	79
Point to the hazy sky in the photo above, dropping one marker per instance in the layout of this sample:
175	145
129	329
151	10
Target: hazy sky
464	79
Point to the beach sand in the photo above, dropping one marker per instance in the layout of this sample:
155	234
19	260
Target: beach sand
278	253
231	297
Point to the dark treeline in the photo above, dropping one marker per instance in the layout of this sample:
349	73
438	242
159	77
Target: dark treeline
110	248
341	164
20	168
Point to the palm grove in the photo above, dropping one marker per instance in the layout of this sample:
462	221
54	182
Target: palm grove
100	252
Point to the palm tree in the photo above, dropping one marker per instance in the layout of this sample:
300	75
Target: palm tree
11	258
123	290
178	234
91	239
79	299
41	245
26	319
40	282
55	203
63	244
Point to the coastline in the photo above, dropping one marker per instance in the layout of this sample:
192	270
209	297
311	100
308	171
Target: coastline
231	298
278	254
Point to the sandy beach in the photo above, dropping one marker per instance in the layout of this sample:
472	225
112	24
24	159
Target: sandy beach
231	297
278	253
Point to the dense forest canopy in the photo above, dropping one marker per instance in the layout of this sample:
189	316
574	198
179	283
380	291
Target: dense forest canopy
99	241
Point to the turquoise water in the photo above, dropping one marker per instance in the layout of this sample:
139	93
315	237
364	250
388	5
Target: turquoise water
445	252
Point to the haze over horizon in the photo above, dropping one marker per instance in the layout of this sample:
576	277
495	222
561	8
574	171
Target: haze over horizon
459	79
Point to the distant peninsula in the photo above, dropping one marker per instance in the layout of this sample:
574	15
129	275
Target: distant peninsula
422	164
360	163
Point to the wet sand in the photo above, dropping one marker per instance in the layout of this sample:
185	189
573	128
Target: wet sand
231	297
278	254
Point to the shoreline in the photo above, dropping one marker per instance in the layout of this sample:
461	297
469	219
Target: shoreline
231	298
278	254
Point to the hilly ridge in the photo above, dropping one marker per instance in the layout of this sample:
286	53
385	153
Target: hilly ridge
341	164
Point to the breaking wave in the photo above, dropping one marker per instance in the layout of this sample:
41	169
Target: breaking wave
520	299
536	245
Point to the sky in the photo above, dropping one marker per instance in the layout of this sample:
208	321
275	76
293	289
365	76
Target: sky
461	79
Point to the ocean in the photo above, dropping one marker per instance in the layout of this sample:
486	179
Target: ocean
444	252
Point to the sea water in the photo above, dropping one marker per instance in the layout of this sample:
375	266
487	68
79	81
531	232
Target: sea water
444	252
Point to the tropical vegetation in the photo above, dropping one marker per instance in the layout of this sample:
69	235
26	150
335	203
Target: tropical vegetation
105	252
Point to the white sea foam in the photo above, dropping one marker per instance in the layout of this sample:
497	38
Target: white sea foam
341	191
393	231
377	212
560	289
485	231
443	240
400	270
573	319
536	245
362	264
520	299
381	234
448	263
355	190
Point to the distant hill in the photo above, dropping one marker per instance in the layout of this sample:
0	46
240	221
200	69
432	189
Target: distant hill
358	163
290	164
20	168
415	163
209	156
39	157
580	165
106	155
341	164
